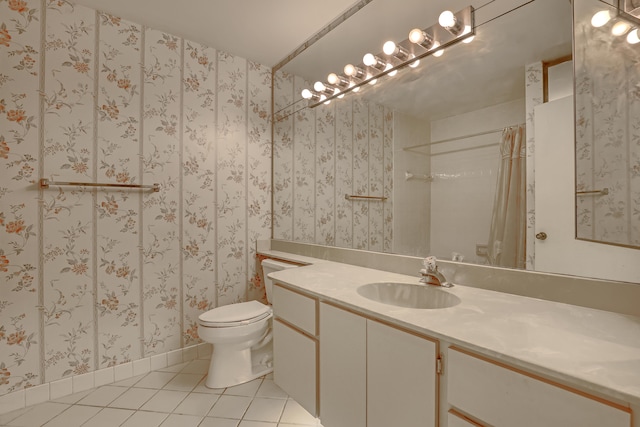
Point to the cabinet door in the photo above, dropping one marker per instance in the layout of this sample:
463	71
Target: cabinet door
504	396
343	389
401	378
294	365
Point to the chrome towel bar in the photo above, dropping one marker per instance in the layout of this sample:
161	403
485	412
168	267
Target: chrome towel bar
45	183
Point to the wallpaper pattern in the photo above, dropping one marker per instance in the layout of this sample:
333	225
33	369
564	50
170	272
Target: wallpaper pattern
323	154
607	136
95	278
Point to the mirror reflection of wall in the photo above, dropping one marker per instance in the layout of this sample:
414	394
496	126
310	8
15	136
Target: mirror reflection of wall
441	123
607	126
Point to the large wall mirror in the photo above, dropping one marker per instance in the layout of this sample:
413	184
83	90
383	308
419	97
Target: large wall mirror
422	150
607	123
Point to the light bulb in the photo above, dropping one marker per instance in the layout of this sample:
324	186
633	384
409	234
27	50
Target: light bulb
372	82
389	48
349	70
422	38
319	86
600	18
632	37
447	19
620	28
336	91
306	94
415	63
352	84
416	36
369	60
332	78
393	73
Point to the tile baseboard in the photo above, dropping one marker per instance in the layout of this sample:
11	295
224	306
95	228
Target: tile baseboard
56	389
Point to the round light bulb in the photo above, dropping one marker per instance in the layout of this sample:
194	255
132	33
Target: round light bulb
389	48
632	37
415	63
352	84
350	70
416	36
447	19
600	18
319	86
468	39
369	60
620	28
333	78
336	91
306	94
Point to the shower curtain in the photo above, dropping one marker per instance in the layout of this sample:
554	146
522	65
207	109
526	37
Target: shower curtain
506	246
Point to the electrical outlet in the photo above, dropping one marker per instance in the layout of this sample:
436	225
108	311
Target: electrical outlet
481	250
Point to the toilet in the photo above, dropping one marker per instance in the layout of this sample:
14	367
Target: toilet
241	337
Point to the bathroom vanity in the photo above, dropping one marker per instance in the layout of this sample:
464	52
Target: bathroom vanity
489	359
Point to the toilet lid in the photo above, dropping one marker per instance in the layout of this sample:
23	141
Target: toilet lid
235	314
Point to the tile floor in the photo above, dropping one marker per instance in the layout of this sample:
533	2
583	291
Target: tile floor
173	396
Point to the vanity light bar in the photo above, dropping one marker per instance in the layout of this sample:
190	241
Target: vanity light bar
460	26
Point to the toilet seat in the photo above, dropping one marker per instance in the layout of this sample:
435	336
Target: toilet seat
231	315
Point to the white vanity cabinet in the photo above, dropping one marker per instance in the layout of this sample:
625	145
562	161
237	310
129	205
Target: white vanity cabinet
343	368
374	375
496	394
295	346
402	383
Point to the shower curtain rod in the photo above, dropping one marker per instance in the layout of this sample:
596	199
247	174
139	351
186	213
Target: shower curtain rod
487	132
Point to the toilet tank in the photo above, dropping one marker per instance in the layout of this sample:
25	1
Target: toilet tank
269	266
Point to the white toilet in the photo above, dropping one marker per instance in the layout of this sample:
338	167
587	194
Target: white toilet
241	337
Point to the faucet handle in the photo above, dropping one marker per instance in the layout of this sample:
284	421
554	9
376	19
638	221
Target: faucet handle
430	263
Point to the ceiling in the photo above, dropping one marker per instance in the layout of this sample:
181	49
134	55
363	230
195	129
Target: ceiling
268	31
265	31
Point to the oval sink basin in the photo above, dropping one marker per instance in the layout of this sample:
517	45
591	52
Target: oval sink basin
408	295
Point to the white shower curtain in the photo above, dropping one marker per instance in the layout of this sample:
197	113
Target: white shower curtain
506	247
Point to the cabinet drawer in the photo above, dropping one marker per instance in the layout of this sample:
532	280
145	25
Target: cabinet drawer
500	395
294	308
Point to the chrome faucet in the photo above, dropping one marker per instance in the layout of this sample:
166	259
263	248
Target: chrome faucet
430	275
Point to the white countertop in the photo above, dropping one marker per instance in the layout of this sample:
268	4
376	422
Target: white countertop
592	349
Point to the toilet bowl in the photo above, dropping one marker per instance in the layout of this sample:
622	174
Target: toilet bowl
241	337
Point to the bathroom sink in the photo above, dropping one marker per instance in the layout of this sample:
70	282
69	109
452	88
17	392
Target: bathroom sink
408	295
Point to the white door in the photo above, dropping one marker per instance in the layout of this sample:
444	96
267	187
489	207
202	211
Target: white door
554	178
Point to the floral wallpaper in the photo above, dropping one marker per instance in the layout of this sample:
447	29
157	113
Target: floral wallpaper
98	277
323	154
607	136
